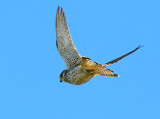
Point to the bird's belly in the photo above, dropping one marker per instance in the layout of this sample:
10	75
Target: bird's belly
83	78
78	76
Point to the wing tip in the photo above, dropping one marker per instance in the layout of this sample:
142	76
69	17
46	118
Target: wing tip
61	11
58	10
140	46
61	15
58	7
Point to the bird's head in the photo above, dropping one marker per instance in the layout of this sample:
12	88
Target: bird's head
62	75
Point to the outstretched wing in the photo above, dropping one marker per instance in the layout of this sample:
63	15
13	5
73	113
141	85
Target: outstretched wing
64	42
118	59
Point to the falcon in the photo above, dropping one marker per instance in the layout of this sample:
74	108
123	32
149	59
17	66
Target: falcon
79	69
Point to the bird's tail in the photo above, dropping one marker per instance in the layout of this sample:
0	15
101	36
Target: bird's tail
106	72
97	69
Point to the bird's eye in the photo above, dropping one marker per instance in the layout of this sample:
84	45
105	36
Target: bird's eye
60	76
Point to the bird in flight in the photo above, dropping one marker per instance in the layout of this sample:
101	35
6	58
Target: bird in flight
79	69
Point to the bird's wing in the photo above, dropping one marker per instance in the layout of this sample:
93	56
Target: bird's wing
64	42
119	58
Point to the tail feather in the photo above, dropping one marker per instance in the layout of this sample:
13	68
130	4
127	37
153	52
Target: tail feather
107	72
95	68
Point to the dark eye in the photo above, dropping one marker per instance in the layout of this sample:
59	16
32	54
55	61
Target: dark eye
61	75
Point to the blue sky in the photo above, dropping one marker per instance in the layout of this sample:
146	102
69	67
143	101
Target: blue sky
103	30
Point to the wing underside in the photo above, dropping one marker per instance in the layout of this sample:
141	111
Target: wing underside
64	42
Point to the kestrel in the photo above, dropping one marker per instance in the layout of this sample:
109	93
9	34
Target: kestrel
79	69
